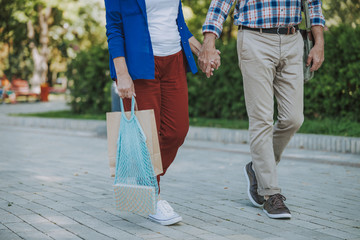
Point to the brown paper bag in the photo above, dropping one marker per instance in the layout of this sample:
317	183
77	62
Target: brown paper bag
147	121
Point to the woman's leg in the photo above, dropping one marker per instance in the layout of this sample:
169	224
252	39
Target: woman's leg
167	94
174	115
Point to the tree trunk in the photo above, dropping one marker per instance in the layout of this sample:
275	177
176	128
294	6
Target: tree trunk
40	58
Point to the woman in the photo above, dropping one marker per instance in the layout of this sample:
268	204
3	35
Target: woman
150	51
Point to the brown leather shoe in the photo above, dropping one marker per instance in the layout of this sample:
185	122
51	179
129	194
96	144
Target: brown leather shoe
254	197
275	207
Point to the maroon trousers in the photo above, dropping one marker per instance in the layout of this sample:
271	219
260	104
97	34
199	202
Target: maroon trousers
167	94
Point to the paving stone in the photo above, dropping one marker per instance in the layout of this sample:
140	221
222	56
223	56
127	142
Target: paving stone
33	218
337	233
20	227
18	210
242	237
34	236
3	227
89	233
6	217
211	236
62	234
8	235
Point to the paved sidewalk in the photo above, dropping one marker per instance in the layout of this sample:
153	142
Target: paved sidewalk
55	184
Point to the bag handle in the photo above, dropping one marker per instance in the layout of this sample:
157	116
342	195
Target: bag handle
306	13
133	106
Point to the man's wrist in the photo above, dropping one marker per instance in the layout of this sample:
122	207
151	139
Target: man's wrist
209	39
318	33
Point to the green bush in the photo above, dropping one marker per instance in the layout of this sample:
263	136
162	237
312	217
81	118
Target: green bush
334	92
90	82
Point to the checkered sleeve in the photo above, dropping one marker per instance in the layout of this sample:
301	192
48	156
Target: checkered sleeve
216	16
316	16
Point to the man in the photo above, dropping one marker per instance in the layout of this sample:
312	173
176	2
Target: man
270	52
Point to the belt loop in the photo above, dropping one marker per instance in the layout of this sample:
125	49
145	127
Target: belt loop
260	30
241	28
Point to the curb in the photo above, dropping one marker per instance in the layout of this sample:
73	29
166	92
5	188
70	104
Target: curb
299	141
95	126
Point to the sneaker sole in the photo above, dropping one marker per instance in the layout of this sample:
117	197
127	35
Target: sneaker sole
168	221
278	216
248	190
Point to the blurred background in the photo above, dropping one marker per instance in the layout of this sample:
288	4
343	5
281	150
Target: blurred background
52	49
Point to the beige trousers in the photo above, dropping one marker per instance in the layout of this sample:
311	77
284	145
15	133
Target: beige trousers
271	65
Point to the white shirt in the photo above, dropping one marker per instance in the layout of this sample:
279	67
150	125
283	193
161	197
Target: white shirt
164	33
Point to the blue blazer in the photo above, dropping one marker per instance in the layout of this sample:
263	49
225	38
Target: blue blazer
128	36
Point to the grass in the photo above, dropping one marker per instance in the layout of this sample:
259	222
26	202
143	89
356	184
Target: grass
337	127
62	114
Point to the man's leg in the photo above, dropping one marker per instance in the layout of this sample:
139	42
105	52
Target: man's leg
258	58
288	86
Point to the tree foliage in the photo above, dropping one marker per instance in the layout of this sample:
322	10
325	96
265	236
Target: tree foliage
346	12
195	14
72	26
90	81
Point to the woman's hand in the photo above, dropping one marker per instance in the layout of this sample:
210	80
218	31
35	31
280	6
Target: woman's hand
125	86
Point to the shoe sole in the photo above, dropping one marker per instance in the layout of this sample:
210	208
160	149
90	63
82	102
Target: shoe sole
278	216
248	190
168	221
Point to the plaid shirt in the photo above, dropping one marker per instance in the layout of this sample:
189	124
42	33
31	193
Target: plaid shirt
260	14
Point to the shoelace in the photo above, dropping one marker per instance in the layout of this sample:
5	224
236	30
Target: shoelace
277	200
165	207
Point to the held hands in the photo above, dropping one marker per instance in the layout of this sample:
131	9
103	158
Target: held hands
209	56
125	86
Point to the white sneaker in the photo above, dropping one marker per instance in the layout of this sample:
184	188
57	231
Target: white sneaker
165	214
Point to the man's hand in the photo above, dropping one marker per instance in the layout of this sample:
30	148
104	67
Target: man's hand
209	57
125	86
316	55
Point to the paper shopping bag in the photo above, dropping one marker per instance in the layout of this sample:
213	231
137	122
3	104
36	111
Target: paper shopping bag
147	121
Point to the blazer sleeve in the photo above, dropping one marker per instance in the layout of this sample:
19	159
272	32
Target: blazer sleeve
114	29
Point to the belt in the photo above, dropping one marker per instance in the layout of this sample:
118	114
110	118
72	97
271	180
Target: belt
279	30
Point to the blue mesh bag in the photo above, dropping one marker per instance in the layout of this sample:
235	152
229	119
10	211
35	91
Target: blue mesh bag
135	185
